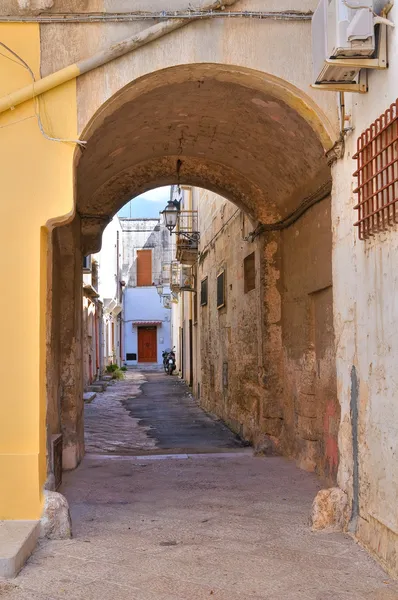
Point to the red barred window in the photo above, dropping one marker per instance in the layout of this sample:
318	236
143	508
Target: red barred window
377	173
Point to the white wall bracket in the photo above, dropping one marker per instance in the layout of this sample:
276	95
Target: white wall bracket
360	88
362	64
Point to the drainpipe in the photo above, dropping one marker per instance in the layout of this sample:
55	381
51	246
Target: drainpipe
10	101
97	371
354	409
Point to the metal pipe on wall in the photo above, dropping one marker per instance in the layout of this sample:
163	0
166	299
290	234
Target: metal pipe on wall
117	50
286	15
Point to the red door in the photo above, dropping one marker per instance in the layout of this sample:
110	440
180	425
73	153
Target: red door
147	345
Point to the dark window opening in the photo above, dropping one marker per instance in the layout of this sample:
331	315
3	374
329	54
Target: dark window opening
203	292
249	271
131	356
87	263
221	289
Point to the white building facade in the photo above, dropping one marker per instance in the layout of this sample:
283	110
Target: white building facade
109	261
146	269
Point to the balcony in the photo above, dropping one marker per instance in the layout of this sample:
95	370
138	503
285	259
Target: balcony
187	242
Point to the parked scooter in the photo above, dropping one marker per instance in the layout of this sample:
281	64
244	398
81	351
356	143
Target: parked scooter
165	356
169	360
171	367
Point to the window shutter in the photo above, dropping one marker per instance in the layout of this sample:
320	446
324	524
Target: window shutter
144	267
203	292
249	268
221	290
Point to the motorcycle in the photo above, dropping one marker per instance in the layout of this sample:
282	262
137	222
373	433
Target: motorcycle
169	361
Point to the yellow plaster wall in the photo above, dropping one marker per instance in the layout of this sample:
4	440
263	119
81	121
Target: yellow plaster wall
36	186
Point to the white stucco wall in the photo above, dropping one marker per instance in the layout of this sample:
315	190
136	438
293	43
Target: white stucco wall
107	260
143	303
366	325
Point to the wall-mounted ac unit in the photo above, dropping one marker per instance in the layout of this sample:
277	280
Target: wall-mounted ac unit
167	301
187	280
343	35
175	269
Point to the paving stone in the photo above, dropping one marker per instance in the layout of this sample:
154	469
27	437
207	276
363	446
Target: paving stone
89	396
97	387
228	526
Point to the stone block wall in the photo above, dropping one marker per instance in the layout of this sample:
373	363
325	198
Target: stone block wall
267	356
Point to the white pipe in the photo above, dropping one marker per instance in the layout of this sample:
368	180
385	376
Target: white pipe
9	101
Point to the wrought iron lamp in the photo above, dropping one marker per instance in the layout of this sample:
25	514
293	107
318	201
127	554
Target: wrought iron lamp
171	214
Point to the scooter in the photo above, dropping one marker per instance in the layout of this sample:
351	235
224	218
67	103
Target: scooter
165	356
171	362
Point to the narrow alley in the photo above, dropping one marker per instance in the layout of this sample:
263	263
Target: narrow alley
168	505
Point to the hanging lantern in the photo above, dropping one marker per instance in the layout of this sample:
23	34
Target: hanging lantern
171	214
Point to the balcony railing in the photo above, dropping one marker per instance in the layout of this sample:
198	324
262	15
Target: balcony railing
187	242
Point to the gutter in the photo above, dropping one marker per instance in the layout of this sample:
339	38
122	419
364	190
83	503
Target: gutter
10	101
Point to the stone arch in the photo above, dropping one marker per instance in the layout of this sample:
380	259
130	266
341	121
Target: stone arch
258	141
250	136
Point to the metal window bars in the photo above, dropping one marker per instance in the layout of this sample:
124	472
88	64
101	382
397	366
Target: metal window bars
377	173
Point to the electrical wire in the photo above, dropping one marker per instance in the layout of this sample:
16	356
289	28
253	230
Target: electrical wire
24	64
219	231
18	121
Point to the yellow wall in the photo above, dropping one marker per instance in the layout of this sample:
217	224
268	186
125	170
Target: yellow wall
36	185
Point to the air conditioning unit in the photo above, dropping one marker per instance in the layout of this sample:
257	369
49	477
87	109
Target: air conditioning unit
187	280
166	272
167	301
175	270
343	31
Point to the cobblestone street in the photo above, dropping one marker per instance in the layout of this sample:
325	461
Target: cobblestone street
150	412
202	519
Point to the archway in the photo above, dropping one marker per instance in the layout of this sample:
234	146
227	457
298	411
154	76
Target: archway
259	142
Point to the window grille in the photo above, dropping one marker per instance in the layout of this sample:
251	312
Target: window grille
377	173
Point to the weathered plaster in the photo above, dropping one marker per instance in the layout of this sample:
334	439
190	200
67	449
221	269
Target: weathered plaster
276	340
69	272
366	316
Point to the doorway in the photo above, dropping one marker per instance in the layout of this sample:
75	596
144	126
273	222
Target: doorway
147	345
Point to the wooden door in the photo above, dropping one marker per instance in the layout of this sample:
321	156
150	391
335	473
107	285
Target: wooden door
147	345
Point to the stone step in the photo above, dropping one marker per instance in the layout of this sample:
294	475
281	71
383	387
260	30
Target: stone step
17	542
89	397
106	378
97	387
